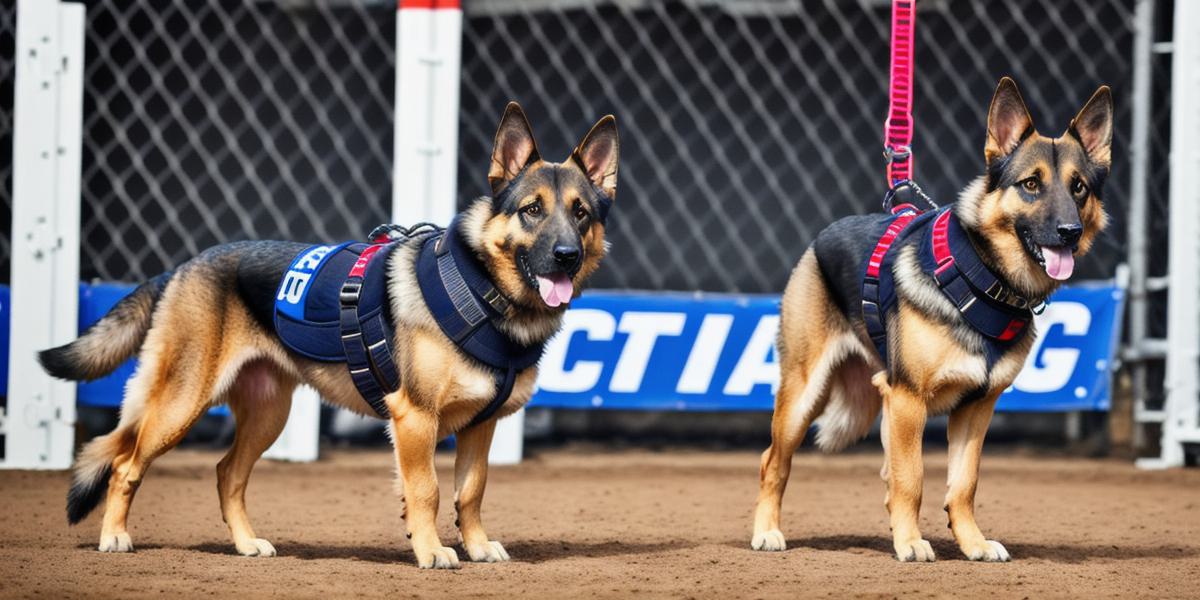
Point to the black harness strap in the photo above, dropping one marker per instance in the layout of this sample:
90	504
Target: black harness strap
368	351
504	385
329	315
467	307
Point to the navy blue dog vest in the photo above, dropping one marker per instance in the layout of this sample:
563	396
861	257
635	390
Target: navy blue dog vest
332	306
945	252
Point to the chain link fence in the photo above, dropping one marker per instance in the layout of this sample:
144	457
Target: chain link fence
8	50
208	122
747	125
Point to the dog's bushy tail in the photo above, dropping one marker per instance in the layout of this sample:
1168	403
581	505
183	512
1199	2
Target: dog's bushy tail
93	467
109	341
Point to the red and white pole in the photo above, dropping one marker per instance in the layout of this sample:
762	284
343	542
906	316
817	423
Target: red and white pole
428	74
425	175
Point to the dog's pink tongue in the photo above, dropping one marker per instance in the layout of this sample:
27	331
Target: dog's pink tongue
1060	262
555	289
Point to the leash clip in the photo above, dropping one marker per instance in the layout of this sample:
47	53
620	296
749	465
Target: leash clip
896	154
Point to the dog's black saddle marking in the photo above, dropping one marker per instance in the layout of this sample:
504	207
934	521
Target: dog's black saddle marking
332	306
946	254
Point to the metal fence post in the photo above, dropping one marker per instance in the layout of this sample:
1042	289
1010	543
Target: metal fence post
1139	155
1181	422
38	425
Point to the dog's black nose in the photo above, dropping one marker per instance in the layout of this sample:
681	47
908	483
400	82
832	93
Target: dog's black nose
1070	233
566	256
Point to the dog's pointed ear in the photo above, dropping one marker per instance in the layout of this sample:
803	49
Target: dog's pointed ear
1094	126
1008	121
597	155
514	148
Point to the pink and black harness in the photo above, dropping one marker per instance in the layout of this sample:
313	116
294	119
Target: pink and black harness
945	252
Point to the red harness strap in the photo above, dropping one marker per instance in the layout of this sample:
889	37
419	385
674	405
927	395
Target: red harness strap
360	266
940	240
941	243
898	128
887	239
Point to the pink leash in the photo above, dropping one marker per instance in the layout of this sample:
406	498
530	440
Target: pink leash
898	128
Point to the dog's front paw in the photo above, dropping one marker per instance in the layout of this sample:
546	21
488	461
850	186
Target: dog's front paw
490	551
116	542
987	551
440	557
917	550
769	541
255	547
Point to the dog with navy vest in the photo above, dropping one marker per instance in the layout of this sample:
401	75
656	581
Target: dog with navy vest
924	313
437	331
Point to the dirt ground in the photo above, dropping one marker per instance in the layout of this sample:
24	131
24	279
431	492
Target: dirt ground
583	523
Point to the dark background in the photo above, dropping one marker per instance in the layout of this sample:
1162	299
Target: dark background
742	134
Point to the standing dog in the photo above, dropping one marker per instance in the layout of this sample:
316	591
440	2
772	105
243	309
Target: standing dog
922	314
450	310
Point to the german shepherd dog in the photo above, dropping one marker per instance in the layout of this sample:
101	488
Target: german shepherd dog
203	336
1036	207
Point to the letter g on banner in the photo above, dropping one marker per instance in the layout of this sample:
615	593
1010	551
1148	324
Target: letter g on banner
1049	369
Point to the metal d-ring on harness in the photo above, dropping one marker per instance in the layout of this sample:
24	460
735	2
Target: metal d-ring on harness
985	302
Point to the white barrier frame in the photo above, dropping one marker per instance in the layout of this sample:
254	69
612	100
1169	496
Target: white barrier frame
300	440
1181	411
425	157
39	423
428	77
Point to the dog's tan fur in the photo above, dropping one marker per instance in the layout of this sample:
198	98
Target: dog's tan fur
832	375
204	347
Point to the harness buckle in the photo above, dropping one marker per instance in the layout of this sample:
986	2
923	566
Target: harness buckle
497	301
350	292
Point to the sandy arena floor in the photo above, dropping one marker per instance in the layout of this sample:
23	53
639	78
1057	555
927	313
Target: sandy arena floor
582	524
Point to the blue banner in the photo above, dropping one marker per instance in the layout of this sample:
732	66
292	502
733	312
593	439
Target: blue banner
671	351
716	352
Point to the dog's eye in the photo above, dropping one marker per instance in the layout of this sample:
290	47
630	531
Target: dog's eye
1031	185
533	209
581	213
1079	189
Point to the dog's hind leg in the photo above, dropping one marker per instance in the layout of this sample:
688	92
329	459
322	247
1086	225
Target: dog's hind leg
260	400
172	405
809	352
968	424
470	479
788	427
